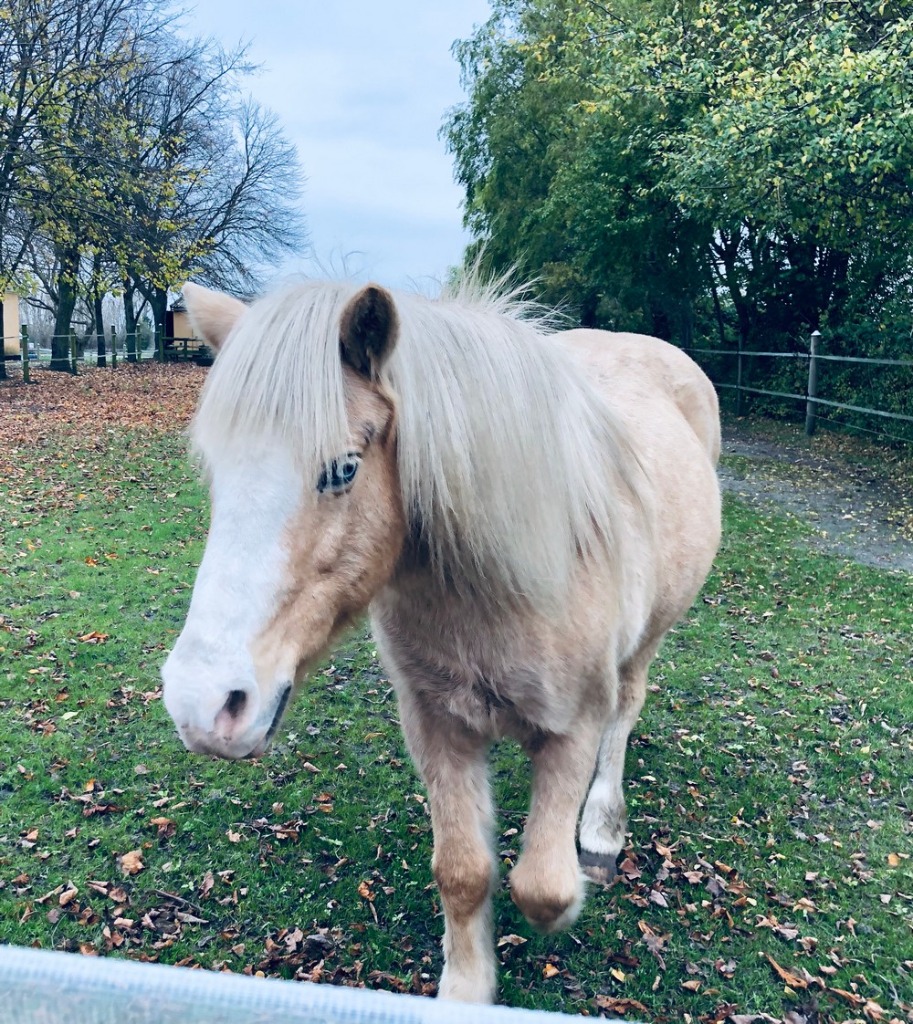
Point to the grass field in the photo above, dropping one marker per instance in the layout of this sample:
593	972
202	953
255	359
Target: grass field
768	873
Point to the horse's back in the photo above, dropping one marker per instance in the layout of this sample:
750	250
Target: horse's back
636	369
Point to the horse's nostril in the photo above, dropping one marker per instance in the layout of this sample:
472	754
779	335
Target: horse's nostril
235	703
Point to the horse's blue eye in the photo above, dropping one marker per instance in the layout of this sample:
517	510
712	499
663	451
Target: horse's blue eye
339	474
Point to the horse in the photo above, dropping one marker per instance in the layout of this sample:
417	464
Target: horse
523	510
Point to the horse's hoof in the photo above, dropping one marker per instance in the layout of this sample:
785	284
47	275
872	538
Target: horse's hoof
599	867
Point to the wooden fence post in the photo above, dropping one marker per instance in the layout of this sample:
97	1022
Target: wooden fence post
739	399
811	410
24	350
75	368
113	347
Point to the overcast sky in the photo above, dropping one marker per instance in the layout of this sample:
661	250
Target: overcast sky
362	87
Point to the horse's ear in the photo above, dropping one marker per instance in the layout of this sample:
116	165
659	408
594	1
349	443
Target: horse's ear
368	330
213	314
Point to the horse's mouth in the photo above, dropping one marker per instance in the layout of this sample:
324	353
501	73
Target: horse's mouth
274	725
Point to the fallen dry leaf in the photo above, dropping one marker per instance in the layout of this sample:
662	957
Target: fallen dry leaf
68	895
131	863
789	977
621	1006
94	637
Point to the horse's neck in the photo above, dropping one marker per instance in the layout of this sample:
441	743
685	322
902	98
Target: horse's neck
441	611
429	598
445	629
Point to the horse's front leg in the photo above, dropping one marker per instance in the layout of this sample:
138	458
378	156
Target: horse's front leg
546	883
453	764
604	821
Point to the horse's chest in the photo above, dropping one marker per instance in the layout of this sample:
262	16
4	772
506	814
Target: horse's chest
494	677
507	699
513	704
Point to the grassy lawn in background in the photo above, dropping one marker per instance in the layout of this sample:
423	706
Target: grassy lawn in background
768	871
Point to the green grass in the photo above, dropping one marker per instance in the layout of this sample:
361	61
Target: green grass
768	780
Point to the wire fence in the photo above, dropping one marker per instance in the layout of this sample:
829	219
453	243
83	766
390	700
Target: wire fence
83	351
73	352
42	987
731	369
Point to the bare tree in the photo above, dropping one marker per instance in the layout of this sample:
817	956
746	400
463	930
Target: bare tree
129	154
247	208
226	204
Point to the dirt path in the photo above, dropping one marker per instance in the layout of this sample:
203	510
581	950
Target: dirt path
858	498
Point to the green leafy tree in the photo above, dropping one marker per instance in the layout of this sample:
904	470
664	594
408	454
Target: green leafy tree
740	168
70	181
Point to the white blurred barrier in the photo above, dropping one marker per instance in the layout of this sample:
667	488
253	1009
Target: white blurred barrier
41	987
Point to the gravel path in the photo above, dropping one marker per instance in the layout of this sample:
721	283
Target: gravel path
858	498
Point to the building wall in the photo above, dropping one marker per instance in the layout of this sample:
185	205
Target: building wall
182	326
10	324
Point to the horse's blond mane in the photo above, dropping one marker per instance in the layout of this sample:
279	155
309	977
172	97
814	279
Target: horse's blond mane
511	464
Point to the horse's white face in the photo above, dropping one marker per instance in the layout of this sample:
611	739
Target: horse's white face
289	561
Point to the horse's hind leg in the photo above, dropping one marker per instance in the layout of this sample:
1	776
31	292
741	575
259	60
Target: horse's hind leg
453	763
604	820
546	883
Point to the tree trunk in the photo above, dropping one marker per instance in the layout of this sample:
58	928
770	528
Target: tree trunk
717	310
97	312
68	268
3	344
100	330
130	319
159	304
588	309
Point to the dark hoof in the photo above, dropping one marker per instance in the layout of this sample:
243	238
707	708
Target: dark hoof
598	867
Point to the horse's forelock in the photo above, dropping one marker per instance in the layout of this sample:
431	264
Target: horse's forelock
280	381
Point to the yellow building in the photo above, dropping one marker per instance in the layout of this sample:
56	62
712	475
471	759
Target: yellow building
9	323
177	324
181	340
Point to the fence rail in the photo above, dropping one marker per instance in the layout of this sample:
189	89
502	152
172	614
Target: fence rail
804	355
95	350
810	397
166	348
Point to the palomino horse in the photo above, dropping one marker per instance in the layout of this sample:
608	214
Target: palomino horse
524	514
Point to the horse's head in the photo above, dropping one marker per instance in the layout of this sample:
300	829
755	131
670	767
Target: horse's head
293	555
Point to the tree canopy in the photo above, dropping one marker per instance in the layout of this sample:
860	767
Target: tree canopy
741	169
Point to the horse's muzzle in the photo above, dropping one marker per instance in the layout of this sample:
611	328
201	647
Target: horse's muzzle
228	741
